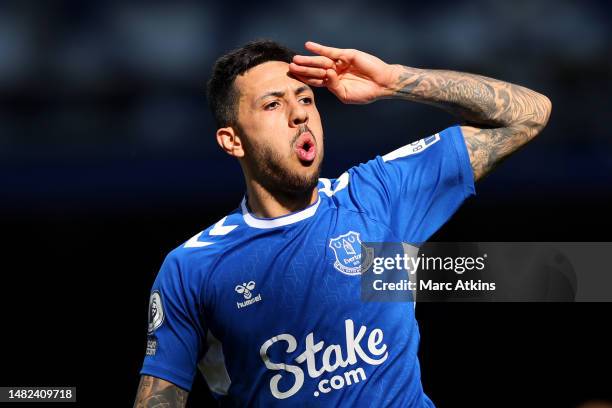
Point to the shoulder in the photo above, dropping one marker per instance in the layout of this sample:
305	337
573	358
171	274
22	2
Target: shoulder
381	168
204	248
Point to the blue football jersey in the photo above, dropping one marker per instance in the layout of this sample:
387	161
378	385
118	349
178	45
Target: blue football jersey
270	310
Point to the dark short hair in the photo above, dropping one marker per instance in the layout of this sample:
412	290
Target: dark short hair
221	91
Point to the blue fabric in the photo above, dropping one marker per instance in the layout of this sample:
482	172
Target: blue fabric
284	300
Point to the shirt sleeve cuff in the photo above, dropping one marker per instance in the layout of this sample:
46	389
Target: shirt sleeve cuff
176	378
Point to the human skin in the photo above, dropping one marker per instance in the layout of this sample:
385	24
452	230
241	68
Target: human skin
499	118
273	108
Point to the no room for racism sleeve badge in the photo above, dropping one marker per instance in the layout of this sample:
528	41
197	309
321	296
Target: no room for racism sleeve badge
156	311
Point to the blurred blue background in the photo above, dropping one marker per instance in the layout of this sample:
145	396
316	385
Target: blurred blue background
108	161
103	105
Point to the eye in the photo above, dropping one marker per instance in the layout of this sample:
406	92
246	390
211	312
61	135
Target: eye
271	105
307	100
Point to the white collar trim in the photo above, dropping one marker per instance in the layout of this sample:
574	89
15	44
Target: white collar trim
255	222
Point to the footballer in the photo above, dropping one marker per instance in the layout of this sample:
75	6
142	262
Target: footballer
266	302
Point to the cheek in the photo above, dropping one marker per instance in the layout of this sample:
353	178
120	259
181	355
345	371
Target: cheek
268	143
267	124
315	123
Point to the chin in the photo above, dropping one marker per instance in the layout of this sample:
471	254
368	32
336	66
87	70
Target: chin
303	184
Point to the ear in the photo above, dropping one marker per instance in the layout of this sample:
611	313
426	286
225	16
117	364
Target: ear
230	142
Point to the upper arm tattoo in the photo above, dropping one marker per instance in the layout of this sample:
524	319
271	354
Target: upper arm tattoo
157	393
502	116
487	147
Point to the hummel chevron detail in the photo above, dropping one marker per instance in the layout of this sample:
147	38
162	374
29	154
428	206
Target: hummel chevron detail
216	230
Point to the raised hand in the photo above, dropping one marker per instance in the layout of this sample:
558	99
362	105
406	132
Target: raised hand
352	75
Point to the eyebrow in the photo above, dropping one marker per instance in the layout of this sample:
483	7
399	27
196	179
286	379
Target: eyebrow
280	94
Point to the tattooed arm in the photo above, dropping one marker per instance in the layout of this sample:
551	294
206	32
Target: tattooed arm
157	393
499	117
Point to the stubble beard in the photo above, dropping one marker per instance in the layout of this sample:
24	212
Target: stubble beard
277	178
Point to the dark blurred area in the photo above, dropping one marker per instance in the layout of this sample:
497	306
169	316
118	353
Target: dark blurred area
108	161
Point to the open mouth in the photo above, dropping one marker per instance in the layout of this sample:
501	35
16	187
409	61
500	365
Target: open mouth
305	147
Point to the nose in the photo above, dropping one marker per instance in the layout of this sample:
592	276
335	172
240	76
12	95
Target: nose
298	115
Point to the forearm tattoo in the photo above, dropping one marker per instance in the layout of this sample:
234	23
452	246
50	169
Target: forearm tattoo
157	393
506	116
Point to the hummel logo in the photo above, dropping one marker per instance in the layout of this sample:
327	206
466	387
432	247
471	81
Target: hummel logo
246	291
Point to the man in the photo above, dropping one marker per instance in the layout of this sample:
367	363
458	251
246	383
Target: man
266	302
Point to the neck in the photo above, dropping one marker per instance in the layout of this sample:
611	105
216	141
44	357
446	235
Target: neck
265	204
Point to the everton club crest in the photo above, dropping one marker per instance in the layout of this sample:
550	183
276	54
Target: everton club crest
348	251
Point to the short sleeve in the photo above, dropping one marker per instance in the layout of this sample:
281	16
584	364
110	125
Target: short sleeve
414	189
175	330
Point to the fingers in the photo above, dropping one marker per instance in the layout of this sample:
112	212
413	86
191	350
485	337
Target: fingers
301	70
330	52
315	76
330	80
316	61
319	70
313	82
316	82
